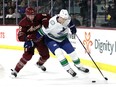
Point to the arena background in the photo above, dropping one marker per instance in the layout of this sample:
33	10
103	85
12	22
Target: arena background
103	49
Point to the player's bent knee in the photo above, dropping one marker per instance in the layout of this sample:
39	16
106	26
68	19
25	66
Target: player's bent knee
45	57
27	56
59	53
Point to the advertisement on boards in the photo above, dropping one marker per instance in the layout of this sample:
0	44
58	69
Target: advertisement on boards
99	43
8	36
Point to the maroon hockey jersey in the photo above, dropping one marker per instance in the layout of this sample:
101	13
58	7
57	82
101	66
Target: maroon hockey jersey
25	24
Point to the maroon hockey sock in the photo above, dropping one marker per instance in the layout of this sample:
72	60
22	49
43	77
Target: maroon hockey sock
20	64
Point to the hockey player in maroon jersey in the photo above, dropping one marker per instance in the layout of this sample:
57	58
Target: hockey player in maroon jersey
29	26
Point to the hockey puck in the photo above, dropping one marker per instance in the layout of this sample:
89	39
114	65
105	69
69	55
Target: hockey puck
93	81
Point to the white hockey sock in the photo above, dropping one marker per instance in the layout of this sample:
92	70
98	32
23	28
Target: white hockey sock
59	54
65	64
74	57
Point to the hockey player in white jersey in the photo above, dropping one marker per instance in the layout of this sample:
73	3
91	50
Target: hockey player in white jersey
56	39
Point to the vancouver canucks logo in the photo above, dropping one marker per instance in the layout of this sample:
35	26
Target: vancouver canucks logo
87	42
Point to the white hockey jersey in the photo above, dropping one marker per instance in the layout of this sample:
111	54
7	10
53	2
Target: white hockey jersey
55	30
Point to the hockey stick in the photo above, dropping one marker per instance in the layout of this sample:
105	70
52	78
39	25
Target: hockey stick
91	58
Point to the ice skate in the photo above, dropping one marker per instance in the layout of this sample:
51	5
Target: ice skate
81	68
72	72
13	73
43	68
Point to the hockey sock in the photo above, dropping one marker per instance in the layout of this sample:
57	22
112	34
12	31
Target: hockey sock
41	61
20	64
74	57
65	64
59	54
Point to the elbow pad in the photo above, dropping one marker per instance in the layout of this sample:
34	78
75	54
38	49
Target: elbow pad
72	27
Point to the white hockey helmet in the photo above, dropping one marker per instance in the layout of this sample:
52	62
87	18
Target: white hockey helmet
64	14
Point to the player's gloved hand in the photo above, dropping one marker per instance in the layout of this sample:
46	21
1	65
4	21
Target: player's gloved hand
28	44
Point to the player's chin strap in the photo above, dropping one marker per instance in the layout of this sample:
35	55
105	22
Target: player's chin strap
91	58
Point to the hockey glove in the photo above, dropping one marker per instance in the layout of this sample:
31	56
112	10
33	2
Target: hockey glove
28	44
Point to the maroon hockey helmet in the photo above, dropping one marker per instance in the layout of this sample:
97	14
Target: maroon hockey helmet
30	11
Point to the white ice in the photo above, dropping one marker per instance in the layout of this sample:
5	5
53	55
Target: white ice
55	76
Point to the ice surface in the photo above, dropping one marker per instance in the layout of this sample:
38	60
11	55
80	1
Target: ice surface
55	76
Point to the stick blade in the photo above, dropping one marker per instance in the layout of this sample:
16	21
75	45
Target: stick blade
106	78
